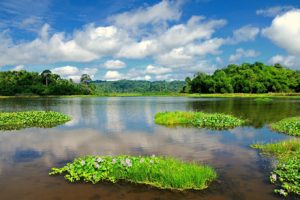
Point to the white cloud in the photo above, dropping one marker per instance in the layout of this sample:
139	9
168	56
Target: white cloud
158	13
195	29
177	57
65	71
243	34
138	49
287	61
178	47
74	73
241	53
285	31
18	68
114	64
150	69
113	75
274	11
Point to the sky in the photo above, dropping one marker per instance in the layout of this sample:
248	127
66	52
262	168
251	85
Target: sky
146	40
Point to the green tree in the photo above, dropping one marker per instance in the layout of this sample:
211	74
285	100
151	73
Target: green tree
85	78
46	74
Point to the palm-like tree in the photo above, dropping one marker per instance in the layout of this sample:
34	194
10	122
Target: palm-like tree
85	78
46	74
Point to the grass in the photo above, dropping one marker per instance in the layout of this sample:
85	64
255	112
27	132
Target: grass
263	100
290	126
19	120
287	172
198	119
160	172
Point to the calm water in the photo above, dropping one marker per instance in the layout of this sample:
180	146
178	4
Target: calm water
112	126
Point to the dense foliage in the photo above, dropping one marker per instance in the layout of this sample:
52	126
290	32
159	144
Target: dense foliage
18	120
246	78
32	83
160	172
290	126
130	86
287	172
198	119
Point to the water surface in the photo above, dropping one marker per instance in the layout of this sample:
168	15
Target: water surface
124	125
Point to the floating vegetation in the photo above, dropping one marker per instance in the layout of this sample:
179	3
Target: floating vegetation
287	173
198	119
263	100
290	126
19	120
161	172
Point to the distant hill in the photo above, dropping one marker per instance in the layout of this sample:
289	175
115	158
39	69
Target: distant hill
138	86
245	78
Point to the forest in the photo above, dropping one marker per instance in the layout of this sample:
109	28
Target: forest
138	86
245	78
14	83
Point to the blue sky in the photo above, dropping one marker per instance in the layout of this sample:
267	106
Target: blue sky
146	40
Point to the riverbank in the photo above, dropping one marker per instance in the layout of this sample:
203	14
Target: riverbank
227	95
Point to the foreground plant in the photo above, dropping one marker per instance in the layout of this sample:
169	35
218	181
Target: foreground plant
263	100
290	126
19	120
287	172
198	119
161	172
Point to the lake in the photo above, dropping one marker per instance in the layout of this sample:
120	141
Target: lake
124	125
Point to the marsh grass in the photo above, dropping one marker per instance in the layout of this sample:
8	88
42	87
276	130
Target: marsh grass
287	173
161	172
198	119
19	120
290	126
263	100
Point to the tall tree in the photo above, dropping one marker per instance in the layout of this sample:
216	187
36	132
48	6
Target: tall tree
85	78
46	75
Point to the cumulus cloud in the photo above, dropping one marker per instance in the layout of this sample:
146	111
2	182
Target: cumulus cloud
114	64
150	69
243	34
181	48
241	53
74	73
158	13
18	68
113	75
284	31
274	11
195	29
287	61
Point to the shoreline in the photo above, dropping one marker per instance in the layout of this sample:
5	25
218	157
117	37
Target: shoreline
228	95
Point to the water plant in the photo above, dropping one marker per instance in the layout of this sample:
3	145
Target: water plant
198	119
290	126
19	120
263	100
161	172
286	175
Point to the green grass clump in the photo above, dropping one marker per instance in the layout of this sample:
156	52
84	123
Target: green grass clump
263	100
161	172
290	126
287	172
19	120
198	119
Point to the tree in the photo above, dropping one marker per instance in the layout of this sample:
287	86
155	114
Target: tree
85	78
246	78
46	75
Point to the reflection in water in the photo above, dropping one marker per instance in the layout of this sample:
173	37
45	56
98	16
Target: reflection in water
112	126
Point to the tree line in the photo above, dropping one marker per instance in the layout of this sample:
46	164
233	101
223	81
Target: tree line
245	78
45	83
138	86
